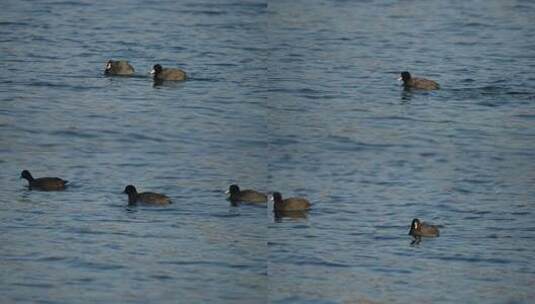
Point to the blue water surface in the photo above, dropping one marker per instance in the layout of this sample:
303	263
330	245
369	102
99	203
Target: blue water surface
299	97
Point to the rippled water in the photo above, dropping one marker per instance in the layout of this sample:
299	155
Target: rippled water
295	96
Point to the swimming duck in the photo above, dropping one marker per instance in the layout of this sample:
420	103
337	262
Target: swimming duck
247	196
159	73
145	197
289	204
419	229
43	183
119	67
410	82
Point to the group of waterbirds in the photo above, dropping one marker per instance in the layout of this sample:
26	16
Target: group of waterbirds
288	206
124	68
280	206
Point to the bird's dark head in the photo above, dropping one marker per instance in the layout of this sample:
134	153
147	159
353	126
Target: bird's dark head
415	225
130	190
233	189
26	175
109	64
156	69
405	76
277	197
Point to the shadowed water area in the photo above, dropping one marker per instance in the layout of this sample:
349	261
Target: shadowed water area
299	97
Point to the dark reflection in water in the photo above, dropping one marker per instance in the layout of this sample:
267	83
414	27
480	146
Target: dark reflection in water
281	215
169	84
406	95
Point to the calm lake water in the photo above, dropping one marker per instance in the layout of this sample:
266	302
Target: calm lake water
299	97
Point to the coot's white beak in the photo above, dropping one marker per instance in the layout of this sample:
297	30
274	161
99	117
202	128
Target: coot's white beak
227	192
108	66
153	72
400	79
